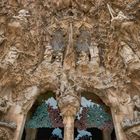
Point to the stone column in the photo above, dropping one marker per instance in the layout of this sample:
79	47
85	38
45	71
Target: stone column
68	127
69	106
121	108
107	134
119	113
117	119
19	119
31	134
68	114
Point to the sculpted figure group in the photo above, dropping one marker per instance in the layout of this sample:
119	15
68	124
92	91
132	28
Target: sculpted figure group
136	100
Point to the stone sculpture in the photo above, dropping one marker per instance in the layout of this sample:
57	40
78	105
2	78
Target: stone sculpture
136	100
4	105
39	52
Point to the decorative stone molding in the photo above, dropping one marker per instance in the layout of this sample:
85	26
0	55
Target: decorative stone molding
136	100
7	124
6	130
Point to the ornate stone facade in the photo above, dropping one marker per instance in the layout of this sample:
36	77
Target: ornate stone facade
69	47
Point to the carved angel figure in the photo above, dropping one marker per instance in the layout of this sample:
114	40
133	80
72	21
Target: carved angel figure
94	54
2	37
83	57
58	59
126	123
119	20
48	53
10	57
136	100
22	15
120	16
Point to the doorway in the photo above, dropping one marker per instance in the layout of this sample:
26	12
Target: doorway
46	134
44	116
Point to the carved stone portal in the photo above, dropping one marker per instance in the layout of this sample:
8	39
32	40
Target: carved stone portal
69	47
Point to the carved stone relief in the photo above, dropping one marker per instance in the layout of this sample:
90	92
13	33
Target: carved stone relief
5	134
68	47
4	105
2	36
136	100
30	95
6	130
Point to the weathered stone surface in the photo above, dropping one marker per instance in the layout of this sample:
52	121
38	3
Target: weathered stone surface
68	47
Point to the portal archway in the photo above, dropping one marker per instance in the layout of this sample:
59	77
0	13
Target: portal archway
51	118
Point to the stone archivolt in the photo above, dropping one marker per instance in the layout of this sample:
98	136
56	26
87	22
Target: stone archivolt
70	47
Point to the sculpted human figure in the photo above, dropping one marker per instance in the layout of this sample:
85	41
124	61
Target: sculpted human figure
10	57
57	59
94	54
48	53
22	15
127	54
136	100
120	16
2	37
121	21
126	123
83	58
4	105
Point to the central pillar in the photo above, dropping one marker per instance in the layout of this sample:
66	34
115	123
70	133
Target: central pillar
68	127
69	105
69	113
107	134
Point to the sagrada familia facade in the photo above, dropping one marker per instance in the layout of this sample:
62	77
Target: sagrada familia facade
73	49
